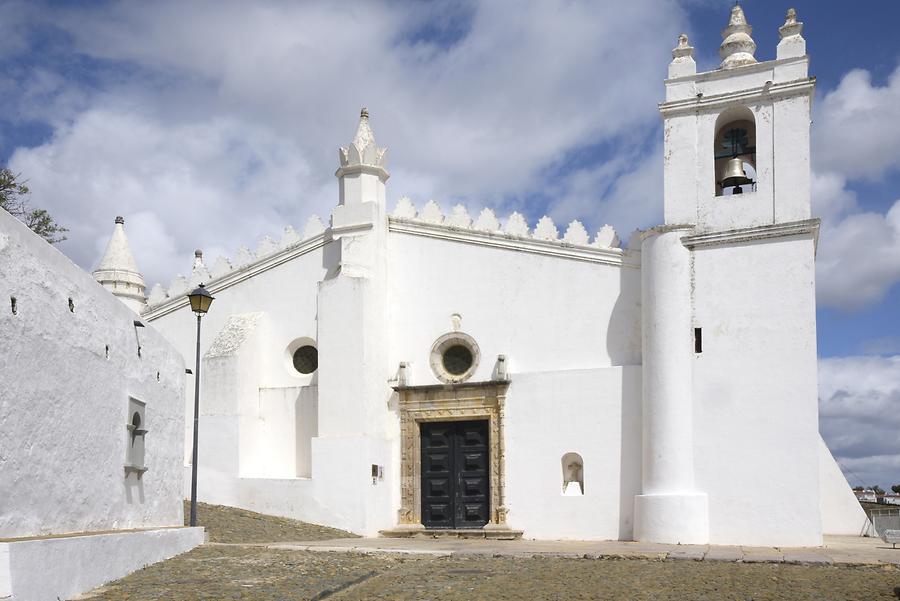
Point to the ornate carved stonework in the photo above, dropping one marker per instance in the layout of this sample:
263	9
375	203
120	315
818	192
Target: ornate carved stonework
468	401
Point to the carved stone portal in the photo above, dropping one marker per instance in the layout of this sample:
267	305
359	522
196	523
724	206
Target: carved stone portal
443	403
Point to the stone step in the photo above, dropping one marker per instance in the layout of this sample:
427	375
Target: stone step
461	533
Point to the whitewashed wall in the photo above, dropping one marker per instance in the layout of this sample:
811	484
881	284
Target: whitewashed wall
841	511
755	395
571	333
593	412
544	313
286	295
64	404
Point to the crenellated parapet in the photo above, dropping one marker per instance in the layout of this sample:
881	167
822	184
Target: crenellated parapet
514	227
244	261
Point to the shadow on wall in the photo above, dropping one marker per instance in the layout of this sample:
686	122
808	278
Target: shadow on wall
331	259
623	333
624	346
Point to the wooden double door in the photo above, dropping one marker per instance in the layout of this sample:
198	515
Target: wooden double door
455	474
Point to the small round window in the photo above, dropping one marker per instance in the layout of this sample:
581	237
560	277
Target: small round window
306	359
457	359
454	357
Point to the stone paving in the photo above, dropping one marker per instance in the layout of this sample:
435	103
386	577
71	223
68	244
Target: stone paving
233	525
849	550
449	569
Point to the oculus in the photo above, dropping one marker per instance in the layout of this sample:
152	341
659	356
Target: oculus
454	357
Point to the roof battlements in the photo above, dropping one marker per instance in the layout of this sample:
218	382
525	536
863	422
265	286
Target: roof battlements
486	229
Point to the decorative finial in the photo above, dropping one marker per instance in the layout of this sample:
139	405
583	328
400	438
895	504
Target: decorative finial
791	44
120	220
198	260
683	48
737	46
682	59
363	150
791	25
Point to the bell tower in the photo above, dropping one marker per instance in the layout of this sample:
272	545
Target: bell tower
737	138
729	407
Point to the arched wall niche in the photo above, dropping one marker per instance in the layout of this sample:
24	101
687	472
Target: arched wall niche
735	135
573	474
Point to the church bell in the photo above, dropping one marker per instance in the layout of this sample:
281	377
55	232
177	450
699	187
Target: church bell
734	174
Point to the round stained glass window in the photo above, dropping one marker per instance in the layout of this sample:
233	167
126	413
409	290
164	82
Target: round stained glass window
306	359
457	359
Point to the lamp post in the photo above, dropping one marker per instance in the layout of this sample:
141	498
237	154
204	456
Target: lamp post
200	299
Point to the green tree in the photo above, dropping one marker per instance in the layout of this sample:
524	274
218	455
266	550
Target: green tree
878	490
14	199
896	488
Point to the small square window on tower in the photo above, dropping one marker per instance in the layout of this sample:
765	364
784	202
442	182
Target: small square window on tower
137	431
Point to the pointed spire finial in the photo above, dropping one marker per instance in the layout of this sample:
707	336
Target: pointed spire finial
737	46
363	149
118	271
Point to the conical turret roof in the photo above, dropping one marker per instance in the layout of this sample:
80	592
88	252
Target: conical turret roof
118	255
118	271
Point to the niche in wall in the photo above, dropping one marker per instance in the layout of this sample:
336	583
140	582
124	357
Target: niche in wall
137	431
573	475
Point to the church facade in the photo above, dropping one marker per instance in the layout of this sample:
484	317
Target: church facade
400	371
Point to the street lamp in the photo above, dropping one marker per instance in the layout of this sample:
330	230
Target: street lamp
200	302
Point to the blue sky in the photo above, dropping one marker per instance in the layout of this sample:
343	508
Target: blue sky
210	124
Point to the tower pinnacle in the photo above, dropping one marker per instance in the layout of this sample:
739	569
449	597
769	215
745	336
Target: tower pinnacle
118	271
737	46
363	150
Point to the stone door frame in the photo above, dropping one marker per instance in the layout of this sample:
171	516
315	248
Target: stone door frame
444	403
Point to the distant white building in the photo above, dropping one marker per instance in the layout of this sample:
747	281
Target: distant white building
92	427
406	371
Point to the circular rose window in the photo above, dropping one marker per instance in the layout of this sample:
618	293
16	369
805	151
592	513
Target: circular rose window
454	357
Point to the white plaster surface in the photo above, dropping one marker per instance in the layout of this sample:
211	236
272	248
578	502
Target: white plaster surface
841	511
755	392
593	412
48	569
64	404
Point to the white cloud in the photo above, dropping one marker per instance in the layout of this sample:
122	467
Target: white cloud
858	258
625	191
858	400
179	186
856	135
857	127
193	95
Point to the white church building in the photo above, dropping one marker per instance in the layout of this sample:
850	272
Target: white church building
404	371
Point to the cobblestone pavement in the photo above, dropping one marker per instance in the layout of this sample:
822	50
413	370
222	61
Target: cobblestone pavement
237	566
259	573
232	525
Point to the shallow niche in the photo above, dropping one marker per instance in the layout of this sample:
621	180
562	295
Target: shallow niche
573	475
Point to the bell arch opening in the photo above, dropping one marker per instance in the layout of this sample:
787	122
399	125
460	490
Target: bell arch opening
734	152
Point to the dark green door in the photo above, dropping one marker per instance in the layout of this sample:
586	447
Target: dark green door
455	477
